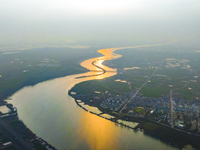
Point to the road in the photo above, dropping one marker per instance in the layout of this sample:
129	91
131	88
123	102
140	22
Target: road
172	109
172	105
16	139
128	101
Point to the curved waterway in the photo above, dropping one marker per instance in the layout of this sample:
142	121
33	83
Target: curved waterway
53	115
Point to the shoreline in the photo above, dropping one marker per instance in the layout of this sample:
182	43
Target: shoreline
18	134
171	135
140	119
8	95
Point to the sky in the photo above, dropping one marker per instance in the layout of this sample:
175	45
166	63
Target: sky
96	22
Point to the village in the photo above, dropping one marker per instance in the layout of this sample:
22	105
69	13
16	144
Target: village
185	112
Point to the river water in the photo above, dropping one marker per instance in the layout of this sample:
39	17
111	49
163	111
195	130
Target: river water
53	115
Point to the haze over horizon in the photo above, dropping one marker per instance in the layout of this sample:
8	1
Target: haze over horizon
120	23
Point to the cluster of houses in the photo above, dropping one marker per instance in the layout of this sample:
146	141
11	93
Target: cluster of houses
115	102
186	113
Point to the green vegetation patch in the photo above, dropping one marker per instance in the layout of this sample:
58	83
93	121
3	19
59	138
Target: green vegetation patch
12	147
150	126
36	65
3	139
187	94
111	86
153	91
138	110
15	123
173	72
39	146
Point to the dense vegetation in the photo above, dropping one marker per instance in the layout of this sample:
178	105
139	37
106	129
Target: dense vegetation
180	66
28	67
20	68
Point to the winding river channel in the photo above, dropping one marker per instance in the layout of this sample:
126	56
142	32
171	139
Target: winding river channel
48	110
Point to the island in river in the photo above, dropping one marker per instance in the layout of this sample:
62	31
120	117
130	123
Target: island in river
24	113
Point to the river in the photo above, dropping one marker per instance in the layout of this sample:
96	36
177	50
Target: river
48	110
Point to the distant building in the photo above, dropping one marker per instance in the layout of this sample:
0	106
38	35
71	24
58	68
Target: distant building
197	114
185	105
185	113
175	115
199	122
181	116
191	114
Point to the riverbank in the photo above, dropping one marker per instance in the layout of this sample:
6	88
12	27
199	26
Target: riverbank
172	136
32	66
52	93
18	135
192	136
31	81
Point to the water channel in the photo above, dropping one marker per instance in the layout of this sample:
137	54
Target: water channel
53	115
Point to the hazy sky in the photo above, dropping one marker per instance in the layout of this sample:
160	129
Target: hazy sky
95	22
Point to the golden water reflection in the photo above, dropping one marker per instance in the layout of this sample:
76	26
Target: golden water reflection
97	132
96	64
64	125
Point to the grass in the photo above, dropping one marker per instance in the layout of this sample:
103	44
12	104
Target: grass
15	123
187	94
150	126
144	58
111	86
154	91
173	72
138	110
3	138
39	146
158	86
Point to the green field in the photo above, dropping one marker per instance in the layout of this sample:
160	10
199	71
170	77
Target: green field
3	139
177	69
15	123
32	66
138	110
109	85
179	66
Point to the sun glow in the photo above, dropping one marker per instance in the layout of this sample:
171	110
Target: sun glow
99	130
94	6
